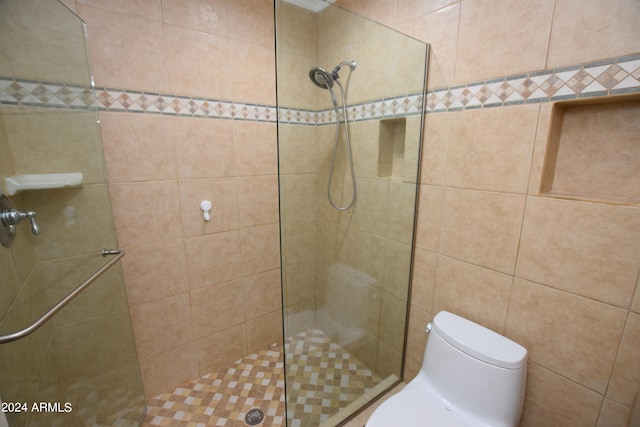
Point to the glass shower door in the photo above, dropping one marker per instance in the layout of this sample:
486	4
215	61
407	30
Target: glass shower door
79	368
345	267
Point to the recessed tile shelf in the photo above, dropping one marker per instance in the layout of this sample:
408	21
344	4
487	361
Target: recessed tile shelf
593	151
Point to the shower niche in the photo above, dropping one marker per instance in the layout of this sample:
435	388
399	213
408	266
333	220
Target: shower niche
593	151
391	148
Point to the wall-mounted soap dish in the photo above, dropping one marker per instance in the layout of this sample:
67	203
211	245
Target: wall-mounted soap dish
41	181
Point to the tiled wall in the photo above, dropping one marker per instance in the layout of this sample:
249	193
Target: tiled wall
201	294
488	247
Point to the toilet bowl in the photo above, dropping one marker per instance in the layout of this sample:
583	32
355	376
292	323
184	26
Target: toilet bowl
470	376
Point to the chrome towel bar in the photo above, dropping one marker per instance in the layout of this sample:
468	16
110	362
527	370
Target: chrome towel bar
64	301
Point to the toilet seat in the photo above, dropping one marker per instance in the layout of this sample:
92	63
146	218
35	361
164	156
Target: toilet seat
414	407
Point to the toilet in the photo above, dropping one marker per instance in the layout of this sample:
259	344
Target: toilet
470	376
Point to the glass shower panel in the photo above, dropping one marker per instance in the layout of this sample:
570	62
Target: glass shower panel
345	273
80	367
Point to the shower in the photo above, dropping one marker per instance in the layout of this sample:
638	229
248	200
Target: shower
325	80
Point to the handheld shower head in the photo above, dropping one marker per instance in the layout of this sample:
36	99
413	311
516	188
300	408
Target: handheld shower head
321	78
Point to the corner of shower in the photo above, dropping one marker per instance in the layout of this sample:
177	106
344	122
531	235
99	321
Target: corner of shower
349	146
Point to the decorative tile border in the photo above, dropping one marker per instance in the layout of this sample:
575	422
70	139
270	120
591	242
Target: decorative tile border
611	77
45	94
175	105
602	78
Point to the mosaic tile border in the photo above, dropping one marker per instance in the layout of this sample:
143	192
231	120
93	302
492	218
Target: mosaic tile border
602	78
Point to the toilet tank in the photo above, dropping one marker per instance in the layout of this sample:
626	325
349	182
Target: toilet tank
475	371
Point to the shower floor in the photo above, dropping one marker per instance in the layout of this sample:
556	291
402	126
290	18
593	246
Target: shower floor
327	377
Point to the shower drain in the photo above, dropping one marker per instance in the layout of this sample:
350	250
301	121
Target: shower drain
254	417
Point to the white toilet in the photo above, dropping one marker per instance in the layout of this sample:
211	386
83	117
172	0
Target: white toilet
470	376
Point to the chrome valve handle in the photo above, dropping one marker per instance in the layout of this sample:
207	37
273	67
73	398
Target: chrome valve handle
12	217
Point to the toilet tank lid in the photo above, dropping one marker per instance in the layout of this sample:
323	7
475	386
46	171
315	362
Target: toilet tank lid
479	342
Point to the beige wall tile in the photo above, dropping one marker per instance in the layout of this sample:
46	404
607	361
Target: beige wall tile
213	258
217	307
298	196
389	360
161	325
256	148
255	83
209	16
209	76
149	9
402	207
297	29
204	148
434	149
553	400
424	279
300	241
258	200
482	227
168	370
146	212
585	352
411	369
251	21
383	11
440	29
66	361
392	320
409	9
299	281
586	248
484	51
125	42
491	149
625	378
473	292
219	351
613	414
223	195
371	255
262	293
587	30
42	41
40	143
416	335
71	221
299	93
635	305
263	331
137	147
397	267
429	217
155	271
260	248
369	212
298	149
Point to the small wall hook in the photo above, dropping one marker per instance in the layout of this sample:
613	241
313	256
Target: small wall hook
205	207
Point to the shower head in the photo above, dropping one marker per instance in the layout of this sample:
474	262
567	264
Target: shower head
321	78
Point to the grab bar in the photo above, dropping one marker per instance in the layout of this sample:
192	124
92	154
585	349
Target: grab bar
64	301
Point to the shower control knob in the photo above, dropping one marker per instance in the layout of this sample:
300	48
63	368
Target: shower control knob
11	217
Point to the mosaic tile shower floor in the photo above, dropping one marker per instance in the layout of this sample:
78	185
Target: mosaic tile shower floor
328	379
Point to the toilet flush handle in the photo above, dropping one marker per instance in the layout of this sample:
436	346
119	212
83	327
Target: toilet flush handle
427	329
